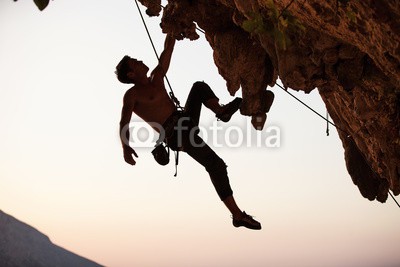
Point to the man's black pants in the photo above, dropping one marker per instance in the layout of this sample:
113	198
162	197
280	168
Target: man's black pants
184	137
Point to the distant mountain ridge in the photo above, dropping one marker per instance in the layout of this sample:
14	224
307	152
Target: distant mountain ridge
23	246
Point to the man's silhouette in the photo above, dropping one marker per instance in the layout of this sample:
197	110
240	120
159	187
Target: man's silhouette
149	100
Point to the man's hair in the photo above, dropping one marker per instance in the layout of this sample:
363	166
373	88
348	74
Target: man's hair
122	70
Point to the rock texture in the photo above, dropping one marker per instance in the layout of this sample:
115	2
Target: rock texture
349	50
22	245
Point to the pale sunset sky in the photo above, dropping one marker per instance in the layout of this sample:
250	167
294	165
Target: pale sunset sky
62	170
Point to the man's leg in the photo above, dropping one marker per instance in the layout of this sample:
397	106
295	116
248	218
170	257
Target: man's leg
195	147
201	94
216	167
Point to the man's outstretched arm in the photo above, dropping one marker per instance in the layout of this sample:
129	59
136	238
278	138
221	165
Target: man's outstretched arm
165	57
126	115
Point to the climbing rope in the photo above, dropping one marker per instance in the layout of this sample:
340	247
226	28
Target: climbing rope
328	122
310	108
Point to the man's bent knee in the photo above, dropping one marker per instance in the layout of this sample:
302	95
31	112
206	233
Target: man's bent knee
216	165
201	86
201	90
219	178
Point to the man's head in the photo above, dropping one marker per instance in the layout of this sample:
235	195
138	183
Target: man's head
128	69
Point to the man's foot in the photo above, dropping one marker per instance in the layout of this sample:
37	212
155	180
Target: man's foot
229	109
246	221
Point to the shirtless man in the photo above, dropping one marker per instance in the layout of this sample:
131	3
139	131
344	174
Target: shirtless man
149	99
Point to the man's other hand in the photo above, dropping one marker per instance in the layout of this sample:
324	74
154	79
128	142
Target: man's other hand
128	151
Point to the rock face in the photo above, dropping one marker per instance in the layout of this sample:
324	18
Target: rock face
348	50
22	245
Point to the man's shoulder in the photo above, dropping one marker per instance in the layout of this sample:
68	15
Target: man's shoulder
131	91
157	75
130	95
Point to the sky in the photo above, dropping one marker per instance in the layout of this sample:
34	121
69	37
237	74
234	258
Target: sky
62	169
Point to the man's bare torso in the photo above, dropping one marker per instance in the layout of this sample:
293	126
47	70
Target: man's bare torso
150	102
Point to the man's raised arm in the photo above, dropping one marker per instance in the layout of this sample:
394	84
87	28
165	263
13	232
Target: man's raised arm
165	57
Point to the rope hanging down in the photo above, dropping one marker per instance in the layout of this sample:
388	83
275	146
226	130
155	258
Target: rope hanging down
313	110
172	95
327	124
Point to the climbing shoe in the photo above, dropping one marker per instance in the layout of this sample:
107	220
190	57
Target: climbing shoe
246	221
229	109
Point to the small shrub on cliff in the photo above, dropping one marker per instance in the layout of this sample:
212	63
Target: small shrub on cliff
277	24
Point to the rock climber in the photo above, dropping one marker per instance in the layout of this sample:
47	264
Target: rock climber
148	99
